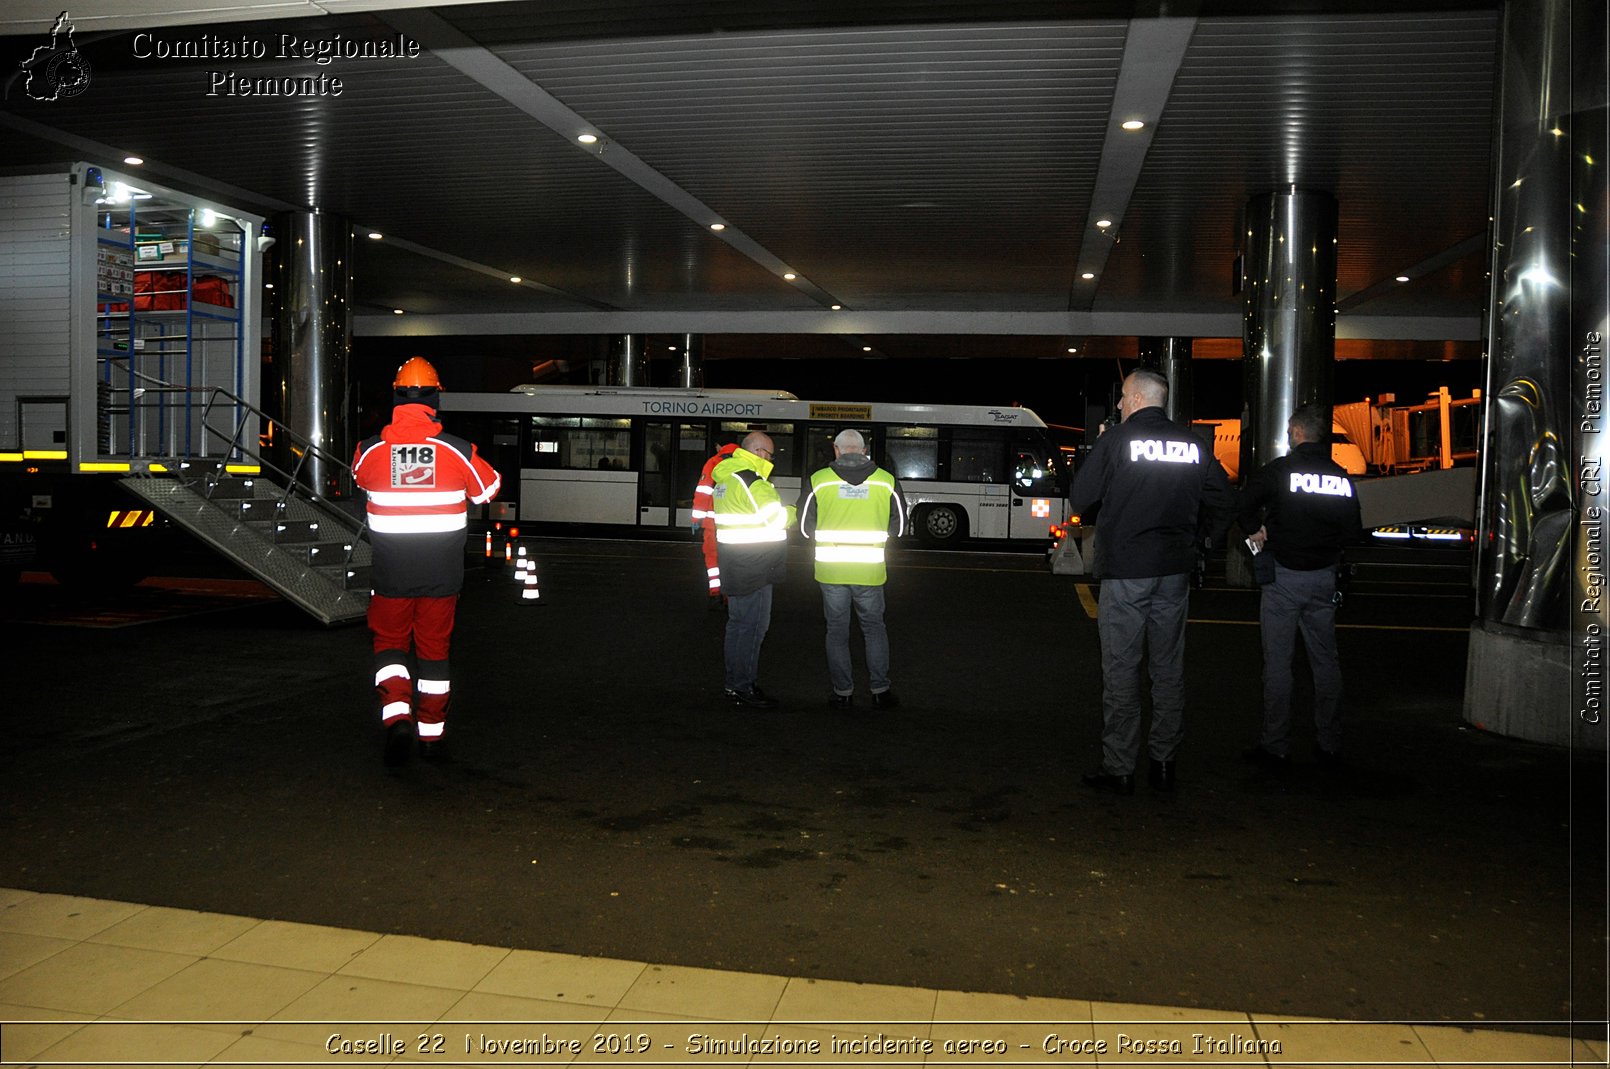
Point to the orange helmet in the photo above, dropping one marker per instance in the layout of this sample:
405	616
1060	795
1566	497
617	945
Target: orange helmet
417	374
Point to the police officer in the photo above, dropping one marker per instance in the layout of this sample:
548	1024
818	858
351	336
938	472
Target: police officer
851	510
1155	489
419	481
1303	509
752	543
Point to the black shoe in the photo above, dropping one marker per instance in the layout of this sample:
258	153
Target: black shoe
840	702
884	699
399	746
1257	755
753	698
1161	775
1326	758
1112	784
433	749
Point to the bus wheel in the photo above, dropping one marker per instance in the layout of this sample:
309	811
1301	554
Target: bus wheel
941	525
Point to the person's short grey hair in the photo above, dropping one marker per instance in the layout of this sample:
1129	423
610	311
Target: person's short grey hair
1150	385
756	440
1313	421
850	440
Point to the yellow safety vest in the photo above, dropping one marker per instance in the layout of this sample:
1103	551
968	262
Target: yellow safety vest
852	527
748	511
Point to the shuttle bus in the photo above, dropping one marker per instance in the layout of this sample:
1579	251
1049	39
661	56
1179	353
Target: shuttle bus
627	458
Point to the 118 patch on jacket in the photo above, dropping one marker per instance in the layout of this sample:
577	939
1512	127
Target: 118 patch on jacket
413	466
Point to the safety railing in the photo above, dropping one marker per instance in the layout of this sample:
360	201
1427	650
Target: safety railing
230	423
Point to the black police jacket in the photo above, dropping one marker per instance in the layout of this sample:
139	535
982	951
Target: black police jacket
1156	491
1308	504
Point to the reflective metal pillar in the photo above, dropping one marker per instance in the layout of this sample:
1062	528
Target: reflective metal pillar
628	364
1288	318
1171	358
692	374
312	346
1544	309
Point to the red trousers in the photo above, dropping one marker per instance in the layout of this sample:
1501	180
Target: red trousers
712	569
424	625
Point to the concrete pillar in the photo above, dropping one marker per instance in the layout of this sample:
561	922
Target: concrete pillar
691	376
1288	317
628	363
1171	358
1539	632
313	346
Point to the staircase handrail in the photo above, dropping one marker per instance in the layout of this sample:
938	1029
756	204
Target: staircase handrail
299	444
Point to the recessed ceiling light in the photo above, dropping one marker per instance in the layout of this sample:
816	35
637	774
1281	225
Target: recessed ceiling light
837	307
516	279
1403	278
396	311
587	139
1134	124
1104	223
866	348
1088	275
268	285
790	275
1072	350
718	226
671	347
133	161
375	235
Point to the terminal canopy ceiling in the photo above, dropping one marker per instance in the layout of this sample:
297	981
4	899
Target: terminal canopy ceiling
944	173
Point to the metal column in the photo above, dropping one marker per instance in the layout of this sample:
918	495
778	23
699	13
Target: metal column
691	375
1546	320
1171	358
628	364
1289	316
312	344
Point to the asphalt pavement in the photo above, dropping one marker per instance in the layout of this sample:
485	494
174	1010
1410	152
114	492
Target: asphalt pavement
601	799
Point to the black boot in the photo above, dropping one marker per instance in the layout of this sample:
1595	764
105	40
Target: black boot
1110	782
399	745
1161	775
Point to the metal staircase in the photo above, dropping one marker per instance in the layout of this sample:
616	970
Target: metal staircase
306	547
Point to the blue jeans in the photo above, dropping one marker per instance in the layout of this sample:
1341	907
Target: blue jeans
1139	616
748	618
1300	600
868	601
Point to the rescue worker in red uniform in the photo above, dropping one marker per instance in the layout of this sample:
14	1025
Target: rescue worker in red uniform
704	517
420	482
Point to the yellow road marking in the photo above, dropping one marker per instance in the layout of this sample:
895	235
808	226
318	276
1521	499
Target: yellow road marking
1087	599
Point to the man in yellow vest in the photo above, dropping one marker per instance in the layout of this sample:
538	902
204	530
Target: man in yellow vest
851	510
752	546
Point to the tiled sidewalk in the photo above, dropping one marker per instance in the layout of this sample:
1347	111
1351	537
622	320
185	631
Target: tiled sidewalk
214	989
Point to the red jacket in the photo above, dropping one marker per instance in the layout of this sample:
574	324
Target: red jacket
420	482
704	517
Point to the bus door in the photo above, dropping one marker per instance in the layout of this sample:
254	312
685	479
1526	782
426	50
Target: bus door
978	470
1039	491
673	454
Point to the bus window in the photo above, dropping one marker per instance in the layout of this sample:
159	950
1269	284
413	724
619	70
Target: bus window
977	459
912	452
576	443
1034	472
819	444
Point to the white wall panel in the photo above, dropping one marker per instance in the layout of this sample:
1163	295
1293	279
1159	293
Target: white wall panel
35	310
